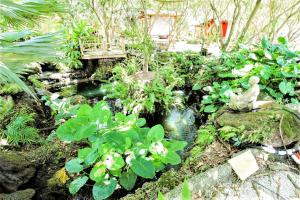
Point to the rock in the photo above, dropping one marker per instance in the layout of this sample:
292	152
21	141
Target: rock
19	195
264	125
215	154
204	181
244	165
15	170
294	107
272	181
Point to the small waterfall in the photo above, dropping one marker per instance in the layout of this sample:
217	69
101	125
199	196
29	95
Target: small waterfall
180	123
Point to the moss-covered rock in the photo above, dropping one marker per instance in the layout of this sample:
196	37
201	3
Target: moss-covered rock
263	126
15	170
6	106
19	195
9	88
69	91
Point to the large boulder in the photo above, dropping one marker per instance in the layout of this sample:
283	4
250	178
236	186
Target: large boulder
267	124
15	170
19	195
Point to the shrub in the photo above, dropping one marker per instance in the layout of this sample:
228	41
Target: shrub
137	96
120	149
275	64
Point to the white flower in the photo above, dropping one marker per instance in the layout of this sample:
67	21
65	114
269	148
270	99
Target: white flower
149	158
106	182
158	148
109	161
242	72
129	157
106	176
54	96
142	152
208	89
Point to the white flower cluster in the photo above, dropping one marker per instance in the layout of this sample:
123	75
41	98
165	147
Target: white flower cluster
242	72
158	148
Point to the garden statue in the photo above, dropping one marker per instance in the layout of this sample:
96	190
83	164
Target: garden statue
245	101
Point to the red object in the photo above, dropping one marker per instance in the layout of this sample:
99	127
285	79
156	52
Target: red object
163	37
224	28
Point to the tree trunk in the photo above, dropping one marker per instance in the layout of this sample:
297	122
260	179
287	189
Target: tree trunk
236	14
145	37
246	27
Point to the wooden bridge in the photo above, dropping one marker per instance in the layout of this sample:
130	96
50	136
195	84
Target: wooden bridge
94	48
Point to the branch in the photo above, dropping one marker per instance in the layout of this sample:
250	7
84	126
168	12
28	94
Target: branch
236	14
246	27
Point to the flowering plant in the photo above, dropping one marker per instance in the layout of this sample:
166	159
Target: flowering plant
120	149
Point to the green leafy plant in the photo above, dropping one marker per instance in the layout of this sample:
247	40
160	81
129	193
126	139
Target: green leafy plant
74	34
19	48
188	64
275	64
239	135
135	95
120	149
62	109
20	130
10	88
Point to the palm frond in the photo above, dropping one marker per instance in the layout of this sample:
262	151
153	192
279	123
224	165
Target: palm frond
37	49
27	12
9	76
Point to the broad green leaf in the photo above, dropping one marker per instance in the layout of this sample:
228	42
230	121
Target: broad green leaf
82	153
210	109
282	40
84	111
172	158
160	196
113	161
77	184
286	88
159	166
101	191
140	122
186	193
101	112
252	56
74	165
128	179
176	145
142	167
206	100
156	133
91	158
84	130
197	86
116	173
97	174
76	129
268	54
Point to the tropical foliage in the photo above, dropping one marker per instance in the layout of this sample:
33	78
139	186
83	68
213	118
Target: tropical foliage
19	48
120	149
275	64
143	92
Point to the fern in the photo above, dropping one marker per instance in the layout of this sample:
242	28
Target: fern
18	131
